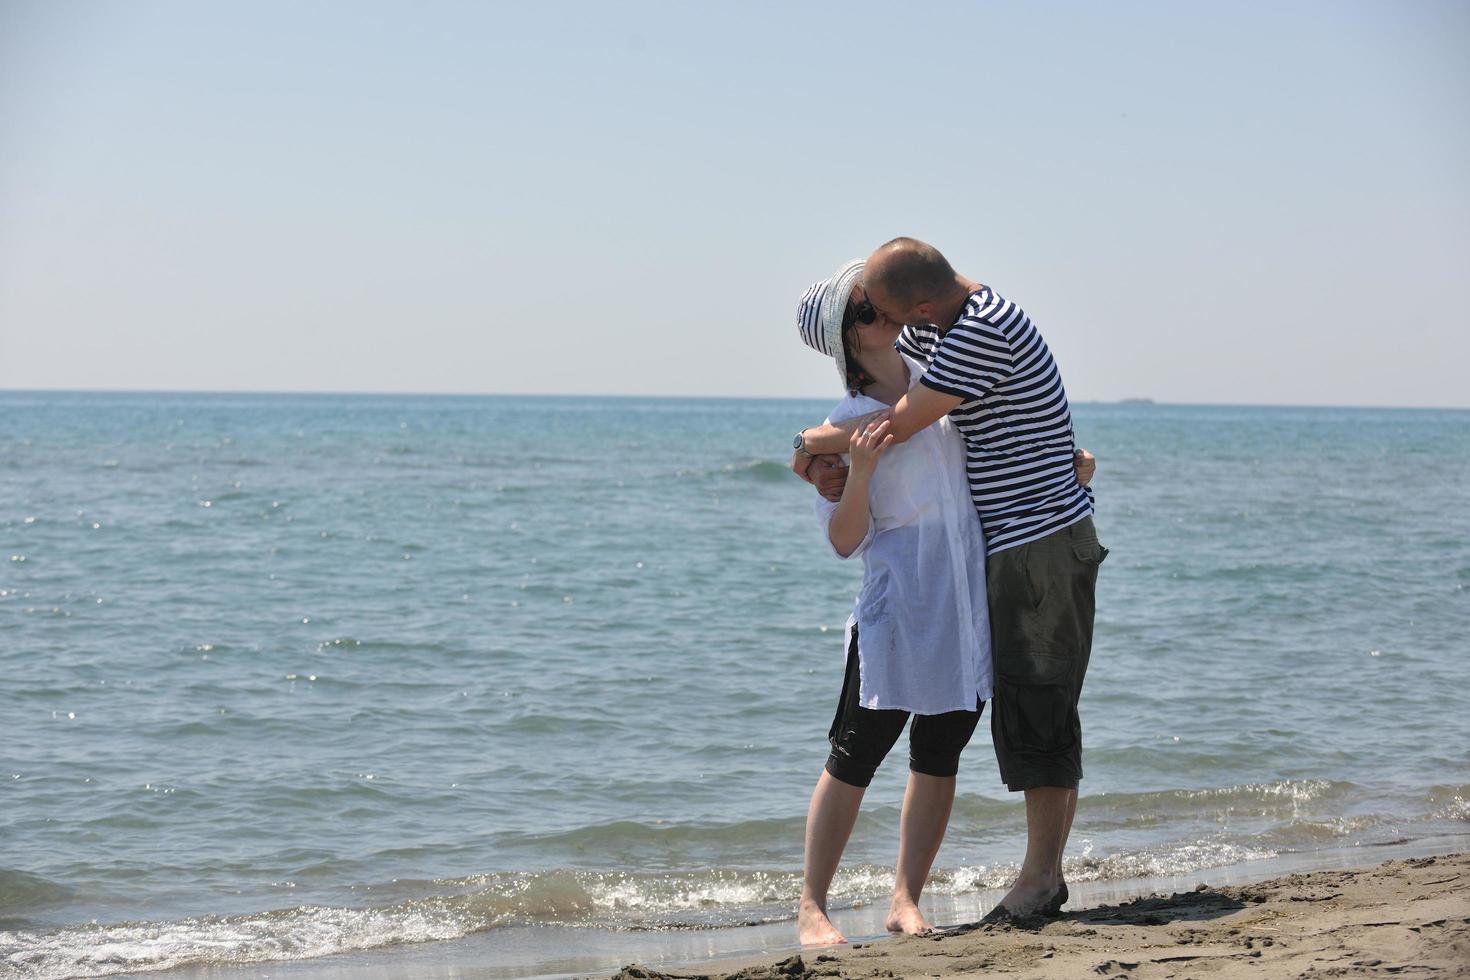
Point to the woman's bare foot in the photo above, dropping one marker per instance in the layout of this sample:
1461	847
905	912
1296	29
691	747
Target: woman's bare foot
904	916
813	928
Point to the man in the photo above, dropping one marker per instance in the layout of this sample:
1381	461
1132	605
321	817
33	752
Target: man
991	371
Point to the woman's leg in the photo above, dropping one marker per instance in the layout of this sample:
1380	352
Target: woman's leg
926	805
935	744
829	822
860	738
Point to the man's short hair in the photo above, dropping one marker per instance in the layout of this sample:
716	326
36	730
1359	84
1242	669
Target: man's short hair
912	272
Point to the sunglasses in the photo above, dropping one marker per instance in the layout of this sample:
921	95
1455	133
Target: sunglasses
861	313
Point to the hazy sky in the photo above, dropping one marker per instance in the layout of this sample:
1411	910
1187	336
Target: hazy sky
1202	201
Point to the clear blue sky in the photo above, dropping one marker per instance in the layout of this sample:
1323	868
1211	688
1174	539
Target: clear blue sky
1214	202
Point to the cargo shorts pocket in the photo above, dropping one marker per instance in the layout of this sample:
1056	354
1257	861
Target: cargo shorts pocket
1033	699
1038	664
1085	546
1008	580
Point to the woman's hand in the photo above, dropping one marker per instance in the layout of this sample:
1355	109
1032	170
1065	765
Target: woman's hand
867	446
1086	465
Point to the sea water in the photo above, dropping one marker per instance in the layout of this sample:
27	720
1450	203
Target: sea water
286	676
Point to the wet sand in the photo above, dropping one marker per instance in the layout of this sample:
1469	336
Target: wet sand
1406	918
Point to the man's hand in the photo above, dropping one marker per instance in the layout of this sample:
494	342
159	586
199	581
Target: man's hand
1086	465
801	464
829	476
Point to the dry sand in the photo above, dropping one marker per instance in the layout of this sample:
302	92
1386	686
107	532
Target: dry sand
1402	919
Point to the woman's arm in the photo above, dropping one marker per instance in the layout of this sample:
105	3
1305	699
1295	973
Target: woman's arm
850	521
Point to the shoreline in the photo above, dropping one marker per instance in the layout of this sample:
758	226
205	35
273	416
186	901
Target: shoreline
544	952
1407	918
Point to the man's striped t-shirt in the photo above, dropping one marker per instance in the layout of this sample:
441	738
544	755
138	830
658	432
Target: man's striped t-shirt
1014	417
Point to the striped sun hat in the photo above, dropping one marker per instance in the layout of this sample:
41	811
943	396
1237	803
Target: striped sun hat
819	314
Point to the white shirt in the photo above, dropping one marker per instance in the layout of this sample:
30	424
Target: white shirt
922	620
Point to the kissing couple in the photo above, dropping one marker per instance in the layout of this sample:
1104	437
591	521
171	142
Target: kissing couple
967	499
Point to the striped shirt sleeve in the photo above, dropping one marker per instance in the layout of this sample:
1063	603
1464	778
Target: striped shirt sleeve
908	343
973	358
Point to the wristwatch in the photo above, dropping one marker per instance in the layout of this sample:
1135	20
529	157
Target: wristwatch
799	444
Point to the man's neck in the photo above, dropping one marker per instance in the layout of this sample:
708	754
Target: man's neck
949	310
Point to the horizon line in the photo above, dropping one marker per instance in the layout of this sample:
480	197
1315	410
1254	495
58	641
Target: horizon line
1139	400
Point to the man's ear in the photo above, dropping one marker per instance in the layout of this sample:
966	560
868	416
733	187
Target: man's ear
925	310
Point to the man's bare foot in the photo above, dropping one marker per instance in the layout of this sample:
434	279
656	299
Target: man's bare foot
1063	896
813	928
1028	897
904	916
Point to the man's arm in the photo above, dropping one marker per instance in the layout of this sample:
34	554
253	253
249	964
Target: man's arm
915	411
919	409
829	476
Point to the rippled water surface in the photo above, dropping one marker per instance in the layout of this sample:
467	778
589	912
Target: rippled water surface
292	675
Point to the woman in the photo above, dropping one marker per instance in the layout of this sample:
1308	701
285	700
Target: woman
918	640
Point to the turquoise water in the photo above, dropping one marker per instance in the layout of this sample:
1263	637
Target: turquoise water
294	675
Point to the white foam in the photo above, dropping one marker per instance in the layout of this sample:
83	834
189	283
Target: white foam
290	934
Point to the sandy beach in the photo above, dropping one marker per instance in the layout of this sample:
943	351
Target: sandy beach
1407	918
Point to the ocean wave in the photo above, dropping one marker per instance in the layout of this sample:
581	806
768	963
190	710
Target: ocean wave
21	891
1165	861
288	934
440	909
1284	799
1300	815
454	908
758	470
624	835
573	898
1450	802
1280	814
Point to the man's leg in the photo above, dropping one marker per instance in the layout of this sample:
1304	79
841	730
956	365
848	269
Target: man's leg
1041	601
1046	836
1066	835
829	822
1049	813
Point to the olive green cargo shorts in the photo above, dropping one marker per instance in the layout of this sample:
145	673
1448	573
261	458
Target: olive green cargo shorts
1041	609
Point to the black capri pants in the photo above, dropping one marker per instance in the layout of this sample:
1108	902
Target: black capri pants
862	737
